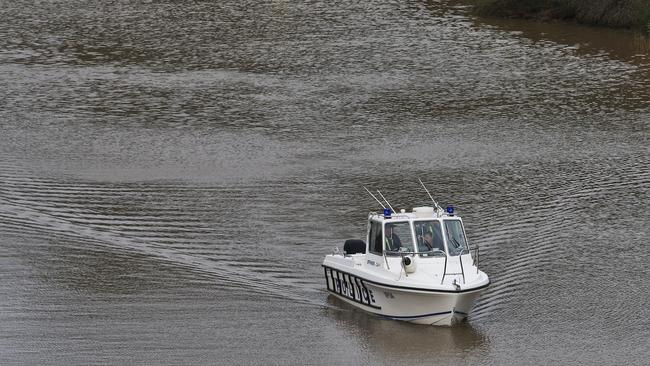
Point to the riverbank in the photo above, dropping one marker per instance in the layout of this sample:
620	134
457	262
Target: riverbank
611	13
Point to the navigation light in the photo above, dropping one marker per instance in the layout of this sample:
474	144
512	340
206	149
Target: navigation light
387	213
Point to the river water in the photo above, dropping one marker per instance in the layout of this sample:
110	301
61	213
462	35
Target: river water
173	172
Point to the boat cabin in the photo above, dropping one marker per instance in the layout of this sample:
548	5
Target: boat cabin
424	232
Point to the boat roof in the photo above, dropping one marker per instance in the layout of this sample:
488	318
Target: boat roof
418	213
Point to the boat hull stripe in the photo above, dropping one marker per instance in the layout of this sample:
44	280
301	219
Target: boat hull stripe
421	316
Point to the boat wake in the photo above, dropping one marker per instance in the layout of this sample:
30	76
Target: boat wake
44	208
542	236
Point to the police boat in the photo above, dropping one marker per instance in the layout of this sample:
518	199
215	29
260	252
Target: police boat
414	266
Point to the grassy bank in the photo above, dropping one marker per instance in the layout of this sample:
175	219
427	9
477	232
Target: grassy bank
613	13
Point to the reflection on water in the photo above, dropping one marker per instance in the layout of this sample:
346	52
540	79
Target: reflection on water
401	342
172	174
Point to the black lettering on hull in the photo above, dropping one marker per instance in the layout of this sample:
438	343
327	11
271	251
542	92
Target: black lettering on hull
349	286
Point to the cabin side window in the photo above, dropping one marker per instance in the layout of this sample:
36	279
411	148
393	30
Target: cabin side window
375	243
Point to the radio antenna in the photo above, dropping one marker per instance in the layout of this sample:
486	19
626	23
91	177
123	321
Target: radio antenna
434	201
382	196
373	196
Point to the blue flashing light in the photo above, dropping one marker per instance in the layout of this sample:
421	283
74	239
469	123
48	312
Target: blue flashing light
450	209
387	213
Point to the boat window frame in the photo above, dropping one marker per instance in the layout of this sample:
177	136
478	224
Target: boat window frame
411	232
371	240
442	235
462	226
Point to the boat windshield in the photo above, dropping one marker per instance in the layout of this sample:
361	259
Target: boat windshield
455	237
429	237
398	238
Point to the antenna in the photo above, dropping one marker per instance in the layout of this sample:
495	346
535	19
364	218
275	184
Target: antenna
434	201
373	196
382	196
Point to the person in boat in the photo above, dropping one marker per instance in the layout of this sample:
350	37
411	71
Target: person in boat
393	241
429	244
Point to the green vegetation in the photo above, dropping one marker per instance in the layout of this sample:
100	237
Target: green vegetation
613	13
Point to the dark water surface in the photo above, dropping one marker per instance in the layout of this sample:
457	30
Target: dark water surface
173	172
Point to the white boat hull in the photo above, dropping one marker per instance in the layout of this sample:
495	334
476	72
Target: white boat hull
420	306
